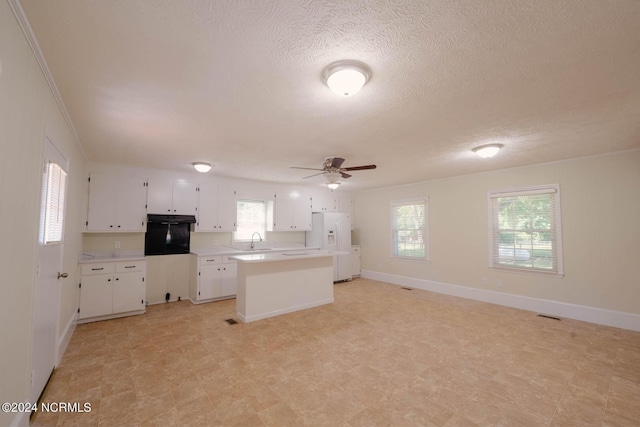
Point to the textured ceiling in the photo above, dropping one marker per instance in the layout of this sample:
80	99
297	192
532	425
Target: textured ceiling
163	83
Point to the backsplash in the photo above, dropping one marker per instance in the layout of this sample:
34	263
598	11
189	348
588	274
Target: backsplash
135	241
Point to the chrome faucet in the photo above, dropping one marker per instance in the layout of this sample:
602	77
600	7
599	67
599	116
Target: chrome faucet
253	244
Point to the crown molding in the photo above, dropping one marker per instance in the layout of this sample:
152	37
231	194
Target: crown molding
18	12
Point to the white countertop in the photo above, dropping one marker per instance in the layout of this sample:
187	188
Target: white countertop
281	256
228	250
110	256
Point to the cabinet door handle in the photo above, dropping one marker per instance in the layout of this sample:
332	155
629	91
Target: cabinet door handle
117	278
96	269
129	266
108	280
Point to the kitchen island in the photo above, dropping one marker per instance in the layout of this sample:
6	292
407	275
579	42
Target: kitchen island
271	284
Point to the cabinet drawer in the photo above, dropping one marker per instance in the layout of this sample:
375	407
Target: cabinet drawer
210	260
226	260
98	268
129	266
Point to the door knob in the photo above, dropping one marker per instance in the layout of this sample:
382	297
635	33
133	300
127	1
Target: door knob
63	275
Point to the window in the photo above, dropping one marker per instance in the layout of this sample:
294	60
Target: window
252	218
54	204
409	238
525	229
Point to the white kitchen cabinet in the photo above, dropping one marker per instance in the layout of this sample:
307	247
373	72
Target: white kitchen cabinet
111	289
174	196
216	207
229	279
292	211
344	203
209	281
116	203
356	261
212	278
323	200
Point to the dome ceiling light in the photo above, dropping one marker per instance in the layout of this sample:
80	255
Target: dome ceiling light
202	167
347	77
489	150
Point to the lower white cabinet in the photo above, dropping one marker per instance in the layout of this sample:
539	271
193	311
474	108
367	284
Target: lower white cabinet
212	278
356	260
111	289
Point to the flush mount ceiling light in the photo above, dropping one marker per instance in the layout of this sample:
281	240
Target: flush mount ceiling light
347	77
202	167
332	180
486	151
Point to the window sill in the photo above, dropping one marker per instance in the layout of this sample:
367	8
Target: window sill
411	259
525	271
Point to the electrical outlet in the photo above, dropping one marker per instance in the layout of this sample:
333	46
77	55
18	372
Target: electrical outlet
117	244
499	283
484	281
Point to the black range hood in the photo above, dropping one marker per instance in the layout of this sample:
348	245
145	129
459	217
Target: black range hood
168	234
171	219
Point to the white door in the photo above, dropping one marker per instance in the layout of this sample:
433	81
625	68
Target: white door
46	308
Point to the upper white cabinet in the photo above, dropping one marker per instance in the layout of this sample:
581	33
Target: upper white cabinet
292	211
323	200
344	202
116	203
216	207
173	196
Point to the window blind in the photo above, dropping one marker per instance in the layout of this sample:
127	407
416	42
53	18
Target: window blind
409	229
55	203
525	229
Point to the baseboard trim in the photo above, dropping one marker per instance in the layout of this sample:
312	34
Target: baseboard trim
247	319
617	319
65	338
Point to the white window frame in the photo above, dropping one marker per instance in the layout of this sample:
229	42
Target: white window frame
426	235
556	217
263	232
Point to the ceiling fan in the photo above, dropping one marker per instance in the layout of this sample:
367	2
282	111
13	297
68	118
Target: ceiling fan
333	166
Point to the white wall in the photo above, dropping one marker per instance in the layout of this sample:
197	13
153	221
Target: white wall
28	109
600	199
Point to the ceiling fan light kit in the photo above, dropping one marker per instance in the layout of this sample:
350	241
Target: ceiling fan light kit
202	167
486	151
347	77
332	168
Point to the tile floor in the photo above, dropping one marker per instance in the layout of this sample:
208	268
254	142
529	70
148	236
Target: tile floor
379	356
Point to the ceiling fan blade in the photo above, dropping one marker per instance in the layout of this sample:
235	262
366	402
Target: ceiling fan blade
359	168
345	175
336	162
310	169
315	174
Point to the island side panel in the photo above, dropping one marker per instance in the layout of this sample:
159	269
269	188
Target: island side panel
272	288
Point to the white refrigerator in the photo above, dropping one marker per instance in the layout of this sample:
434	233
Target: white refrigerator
331	231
